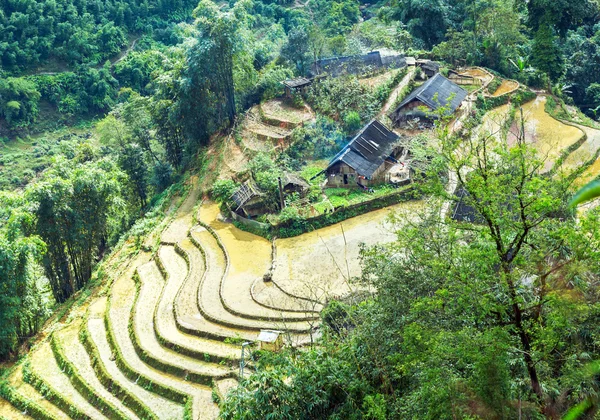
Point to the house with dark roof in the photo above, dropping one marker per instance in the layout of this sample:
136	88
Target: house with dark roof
367	159
437	92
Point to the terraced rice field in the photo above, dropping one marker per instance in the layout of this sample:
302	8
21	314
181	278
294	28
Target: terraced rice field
505	87
163	341
268	127
549	136
478	73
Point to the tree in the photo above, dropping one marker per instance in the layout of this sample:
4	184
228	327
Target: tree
296	51
545	53
133	163
208	99
425	20
74	207
19	100
19	296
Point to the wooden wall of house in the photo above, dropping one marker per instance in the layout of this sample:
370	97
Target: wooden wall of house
409	111
343	176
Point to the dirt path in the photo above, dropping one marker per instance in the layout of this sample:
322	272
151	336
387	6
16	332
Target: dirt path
394	95
123	55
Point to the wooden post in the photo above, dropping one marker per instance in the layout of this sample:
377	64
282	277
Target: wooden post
281	200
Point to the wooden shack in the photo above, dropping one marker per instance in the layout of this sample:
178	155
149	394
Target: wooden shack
270	340
432	95
430	68
293	183
248	199
297	85
366	159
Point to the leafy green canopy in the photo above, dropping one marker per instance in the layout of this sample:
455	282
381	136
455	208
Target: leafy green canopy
495	319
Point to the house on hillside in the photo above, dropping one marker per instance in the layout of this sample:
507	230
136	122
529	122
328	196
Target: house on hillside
292	183
437	92
359	64
373	157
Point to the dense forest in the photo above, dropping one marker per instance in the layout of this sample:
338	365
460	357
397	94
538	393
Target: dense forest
450	331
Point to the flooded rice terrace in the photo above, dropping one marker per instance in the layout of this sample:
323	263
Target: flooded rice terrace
314	265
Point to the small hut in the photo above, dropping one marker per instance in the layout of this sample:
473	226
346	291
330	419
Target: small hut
292	183
296	85
432	95
270	340
430	68
249	199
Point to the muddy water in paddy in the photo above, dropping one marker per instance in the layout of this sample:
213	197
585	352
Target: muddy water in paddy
549	136
309	265
505	87
317	263
249	255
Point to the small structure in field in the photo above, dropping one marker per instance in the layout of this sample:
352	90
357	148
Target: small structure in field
296	85
249	199
437	92
293	183
270	340
367	159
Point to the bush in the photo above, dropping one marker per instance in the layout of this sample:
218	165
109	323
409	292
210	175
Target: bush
162	175
222	190
352	122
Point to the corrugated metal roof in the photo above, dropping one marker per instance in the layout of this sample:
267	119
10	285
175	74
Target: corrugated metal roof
437	92
368	150
268	336
296	83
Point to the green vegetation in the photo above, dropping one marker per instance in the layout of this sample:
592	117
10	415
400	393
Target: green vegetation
106	106
467	320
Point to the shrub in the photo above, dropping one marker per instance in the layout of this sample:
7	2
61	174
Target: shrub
162	175
352	121
223	189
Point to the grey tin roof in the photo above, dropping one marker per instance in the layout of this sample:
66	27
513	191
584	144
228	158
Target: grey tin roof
437	92
368	150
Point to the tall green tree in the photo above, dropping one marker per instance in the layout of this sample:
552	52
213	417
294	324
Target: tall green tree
546	53
73	212
208	99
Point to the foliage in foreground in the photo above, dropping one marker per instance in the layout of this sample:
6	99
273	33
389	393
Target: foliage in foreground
497	319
